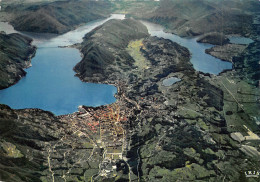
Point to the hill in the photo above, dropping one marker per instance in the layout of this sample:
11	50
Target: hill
15	55
196	17
101	53
55	17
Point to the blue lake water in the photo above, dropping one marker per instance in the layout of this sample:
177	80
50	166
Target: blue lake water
240	40
169	81
50	83
200	60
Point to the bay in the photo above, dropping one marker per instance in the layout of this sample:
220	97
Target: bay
50	83
200	60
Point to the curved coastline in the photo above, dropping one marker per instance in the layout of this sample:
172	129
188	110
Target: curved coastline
105	102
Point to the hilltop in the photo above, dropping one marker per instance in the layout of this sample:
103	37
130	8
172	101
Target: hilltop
103	49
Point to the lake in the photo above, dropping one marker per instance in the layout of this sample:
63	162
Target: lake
50	83
240	40
201	61
169	81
